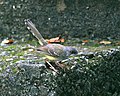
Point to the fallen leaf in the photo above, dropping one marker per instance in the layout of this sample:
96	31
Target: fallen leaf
7	41
56	39
118	43
85	41
105	42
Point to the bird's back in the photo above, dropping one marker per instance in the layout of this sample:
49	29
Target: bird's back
56	50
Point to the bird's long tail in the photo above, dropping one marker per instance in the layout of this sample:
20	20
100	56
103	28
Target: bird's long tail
35	32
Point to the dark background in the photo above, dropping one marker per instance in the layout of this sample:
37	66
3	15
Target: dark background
74	18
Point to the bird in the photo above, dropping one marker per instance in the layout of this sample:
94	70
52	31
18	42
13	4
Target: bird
57	51
51	51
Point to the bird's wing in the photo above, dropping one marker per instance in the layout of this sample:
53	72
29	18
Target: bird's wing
56	50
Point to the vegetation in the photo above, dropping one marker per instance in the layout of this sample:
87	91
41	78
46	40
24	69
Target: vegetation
23	73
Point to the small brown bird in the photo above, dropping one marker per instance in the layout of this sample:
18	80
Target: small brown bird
57	51
51	51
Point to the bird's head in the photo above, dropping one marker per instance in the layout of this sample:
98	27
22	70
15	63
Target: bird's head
71	51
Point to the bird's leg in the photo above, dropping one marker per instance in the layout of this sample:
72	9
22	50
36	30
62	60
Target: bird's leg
60	64
52	67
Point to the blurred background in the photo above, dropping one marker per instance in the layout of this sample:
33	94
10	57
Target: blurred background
91	19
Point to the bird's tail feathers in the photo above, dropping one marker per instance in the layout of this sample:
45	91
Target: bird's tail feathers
35	32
